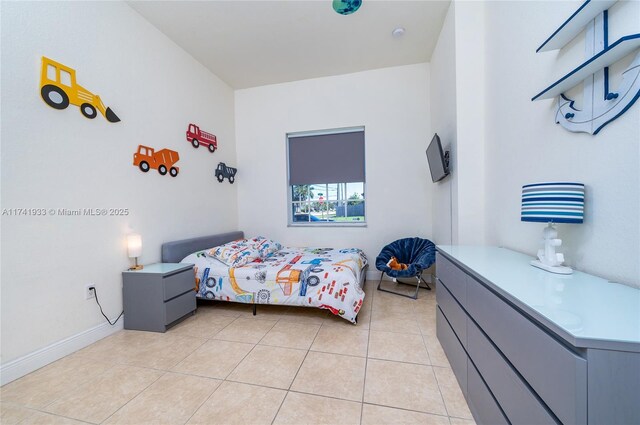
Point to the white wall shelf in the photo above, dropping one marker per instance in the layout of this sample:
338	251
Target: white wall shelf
608	56
575	24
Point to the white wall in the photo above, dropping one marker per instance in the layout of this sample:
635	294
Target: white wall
59	159
457	114
523	145
391	103
469	178
442	93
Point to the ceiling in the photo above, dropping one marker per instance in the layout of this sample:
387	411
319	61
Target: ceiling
254	43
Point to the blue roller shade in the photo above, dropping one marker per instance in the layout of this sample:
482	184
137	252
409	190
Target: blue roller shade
336	157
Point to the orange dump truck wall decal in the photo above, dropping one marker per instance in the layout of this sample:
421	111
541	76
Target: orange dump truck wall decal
58	88
163	160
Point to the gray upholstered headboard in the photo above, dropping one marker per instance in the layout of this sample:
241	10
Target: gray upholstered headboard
174	252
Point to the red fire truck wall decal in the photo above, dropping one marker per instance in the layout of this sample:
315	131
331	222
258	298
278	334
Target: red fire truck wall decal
198	137
163	160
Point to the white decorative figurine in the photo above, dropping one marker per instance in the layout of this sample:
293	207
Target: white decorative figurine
548	258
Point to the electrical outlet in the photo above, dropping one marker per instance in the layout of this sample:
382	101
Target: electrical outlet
89	292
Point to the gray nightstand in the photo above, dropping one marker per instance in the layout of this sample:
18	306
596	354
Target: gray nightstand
158	295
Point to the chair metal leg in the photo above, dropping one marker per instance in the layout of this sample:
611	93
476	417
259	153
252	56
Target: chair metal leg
427	287
415	296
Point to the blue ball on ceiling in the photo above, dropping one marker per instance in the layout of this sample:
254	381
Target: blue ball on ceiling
346	7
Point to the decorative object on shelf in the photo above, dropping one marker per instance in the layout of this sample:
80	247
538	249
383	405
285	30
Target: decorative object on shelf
197	137
554	202
600	105
222	172
134	248
346	7
163	160
58	89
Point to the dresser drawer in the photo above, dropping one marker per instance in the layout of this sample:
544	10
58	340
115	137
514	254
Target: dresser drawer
484	407
453	349
454	313
517	401
178	284
555	373
454	278
180	306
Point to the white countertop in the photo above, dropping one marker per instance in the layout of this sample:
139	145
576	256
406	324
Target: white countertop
585	310
162	268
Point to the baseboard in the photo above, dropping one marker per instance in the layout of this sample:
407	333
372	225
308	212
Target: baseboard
19	367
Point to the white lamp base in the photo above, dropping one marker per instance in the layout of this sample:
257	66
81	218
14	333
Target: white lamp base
552	269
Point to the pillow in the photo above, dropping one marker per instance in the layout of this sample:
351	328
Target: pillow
264	246
235	253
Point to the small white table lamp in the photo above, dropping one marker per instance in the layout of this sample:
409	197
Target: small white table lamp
554	202
134	248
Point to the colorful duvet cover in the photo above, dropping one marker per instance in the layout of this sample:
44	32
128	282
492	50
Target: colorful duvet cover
326	278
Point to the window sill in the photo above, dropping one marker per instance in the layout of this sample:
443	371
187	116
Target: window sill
327	224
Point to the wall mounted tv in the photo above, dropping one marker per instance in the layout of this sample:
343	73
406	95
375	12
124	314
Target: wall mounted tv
438	160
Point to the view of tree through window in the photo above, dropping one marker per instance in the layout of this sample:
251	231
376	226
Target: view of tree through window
328	202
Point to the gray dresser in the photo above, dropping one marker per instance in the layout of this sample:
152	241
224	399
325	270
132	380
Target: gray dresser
531	347
158	295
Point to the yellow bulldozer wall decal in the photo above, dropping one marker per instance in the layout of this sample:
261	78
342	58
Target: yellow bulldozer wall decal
58	88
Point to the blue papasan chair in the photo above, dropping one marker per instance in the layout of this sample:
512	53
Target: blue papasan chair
418	254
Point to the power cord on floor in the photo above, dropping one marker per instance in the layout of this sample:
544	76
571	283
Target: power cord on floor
95	292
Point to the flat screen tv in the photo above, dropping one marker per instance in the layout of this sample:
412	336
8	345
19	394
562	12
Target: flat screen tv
438	162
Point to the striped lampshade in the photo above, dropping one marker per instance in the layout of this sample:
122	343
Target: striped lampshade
556	202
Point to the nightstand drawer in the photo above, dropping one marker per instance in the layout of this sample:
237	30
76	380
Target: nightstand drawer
178	284
180	306
454	278
555	373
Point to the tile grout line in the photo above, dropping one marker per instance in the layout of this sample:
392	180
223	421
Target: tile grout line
324	323
203	403
409	410
444	403
424	343
39	410
223	380
80	386
305	358
244	342
296	375
324	352
366	359
135	396
279	407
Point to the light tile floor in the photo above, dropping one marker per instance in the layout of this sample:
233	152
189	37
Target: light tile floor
284	366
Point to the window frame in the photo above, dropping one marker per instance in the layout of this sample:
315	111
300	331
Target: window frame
325	224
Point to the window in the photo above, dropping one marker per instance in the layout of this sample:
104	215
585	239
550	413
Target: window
326	178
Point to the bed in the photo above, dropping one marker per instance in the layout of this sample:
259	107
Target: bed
325	278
